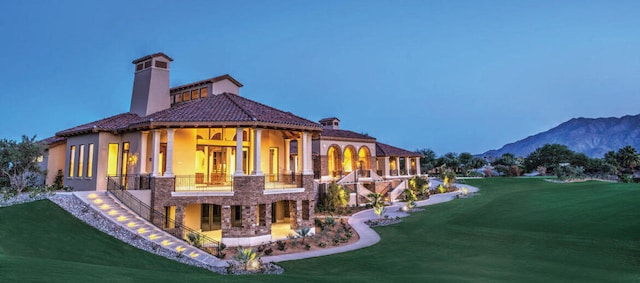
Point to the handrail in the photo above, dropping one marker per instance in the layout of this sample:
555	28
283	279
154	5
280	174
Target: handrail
169	225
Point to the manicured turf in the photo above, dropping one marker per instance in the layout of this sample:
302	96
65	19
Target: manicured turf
515	230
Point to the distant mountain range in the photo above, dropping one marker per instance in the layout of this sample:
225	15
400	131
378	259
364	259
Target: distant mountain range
591	136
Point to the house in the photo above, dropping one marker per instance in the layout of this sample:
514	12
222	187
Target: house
202	156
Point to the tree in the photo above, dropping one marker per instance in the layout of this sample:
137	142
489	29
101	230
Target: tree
449	160
548	156
428	159
628	158
18	162
337	197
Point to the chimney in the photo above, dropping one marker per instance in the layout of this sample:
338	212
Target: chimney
150	84
330	123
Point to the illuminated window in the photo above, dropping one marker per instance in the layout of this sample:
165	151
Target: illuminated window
125	158
194	94
204	92
169	216
185	96
178	98
81	160
112	161
72	159
90	162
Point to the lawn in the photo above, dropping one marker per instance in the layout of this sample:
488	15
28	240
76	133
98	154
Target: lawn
515	230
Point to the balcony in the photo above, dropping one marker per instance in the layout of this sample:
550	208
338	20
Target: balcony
204	183
283	182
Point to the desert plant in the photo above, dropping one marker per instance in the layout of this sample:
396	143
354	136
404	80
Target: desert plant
195	239
330	221
304	232
282	246
246	257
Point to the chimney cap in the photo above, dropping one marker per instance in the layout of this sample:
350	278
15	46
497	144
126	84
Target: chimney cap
159	54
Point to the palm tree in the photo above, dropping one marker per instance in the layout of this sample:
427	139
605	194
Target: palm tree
628	158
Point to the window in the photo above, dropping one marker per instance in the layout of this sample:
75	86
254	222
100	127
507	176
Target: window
147	64
169	216
161	64
125	158
262	213
236	216
112	161
90	162
139	67
72	159
194	94
204	92
185	96
178	98
81	161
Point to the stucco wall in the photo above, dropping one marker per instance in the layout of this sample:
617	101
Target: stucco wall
55	161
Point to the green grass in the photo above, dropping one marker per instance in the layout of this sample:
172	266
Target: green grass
515	230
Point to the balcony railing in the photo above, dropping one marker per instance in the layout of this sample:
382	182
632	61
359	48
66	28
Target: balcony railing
413	172
132	182
204	183
364	173
159	219
282	181
393	172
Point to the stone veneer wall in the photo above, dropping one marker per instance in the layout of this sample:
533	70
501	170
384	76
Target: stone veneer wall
249	194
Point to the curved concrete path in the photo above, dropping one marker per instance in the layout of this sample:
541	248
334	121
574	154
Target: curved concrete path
369	237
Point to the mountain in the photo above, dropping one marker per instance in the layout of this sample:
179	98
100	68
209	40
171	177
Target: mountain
591	136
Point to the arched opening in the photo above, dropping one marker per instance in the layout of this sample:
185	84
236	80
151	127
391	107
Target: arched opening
334	161
364	158
350	160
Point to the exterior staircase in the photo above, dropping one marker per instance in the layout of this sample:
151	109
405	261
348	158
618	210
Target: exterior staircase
119	214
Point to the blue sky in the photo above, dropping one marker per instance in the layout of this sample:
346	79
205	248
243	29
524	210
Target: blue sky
453	76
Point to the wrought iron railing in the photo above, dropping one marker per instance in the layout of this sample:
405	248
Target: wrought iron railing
364	173
133	182
159	219
393	172
282	181
413	172
203	182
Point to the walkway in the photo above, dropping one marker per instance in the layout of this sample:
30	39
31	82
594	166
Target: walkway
119	214
369	237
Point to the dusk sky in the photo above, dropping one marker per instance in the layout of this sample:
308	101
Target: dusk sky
452	76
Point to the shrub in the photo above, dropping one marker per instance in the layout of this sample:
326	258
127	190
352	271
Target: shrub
245	256
282	246
330	221
194	239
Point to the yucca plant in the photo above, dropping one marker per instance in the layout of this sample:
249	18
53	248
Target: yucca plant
245	256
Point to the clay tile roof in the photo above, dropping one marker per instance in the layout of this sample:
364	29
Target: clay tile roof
112	123
345	134
329	119
151	56
226	108
53	140
206	81
387	150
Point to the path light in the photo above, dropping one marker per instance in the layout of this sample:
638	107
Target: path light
105	206
131	224
465	191
180	249
92	196
122	218
405	208
113	212
142	231
97	201
153	236
166	243
254	265
194	255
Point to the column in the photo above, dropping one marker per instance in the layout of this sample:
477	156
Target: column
407	165
386	166
256	152
299	157
143	152
306	154
287	156
169	171
239	135
155	149
397	166
418	166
